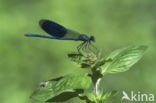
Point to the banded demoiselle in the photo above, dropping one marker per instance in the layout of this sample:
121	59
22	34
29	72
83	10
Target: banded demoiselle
59	32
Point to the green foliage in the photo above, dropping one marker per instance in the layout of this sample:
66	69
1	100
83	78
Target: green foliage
101	97
61	89
123	59
108	96
65	88
88	97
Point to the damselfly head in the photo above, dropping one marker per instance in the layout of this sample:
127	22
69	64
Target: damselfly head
92	38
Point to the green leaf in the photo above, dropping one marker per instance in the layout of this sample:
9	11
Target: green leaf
123	59
85	65
89	97
77	58
62	89
108	96
66	96
100	63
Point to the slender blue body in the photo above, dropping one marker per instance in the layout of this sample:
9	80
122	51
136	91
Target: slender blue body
50	37
59	32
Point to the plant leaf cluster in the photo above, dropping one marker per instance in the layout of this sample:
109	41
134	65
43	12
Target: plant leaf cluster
64	88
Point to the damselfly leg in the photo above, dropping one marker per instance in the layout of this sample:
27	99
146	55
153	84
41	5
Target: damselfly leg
84	47
87	46
91	45
80	46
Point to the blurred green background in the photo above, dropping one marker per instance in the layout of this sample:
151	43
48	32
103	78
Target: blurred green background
25	62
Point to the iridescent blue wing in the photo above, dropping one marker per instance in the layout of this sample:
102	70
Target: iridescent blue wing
53	28
56	31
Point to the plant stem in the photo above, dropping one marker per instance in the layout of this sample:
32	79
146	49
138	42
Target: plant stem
96	89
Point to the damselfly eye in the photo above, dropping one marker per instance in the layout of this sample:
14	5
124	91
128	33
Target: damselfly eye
92	38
